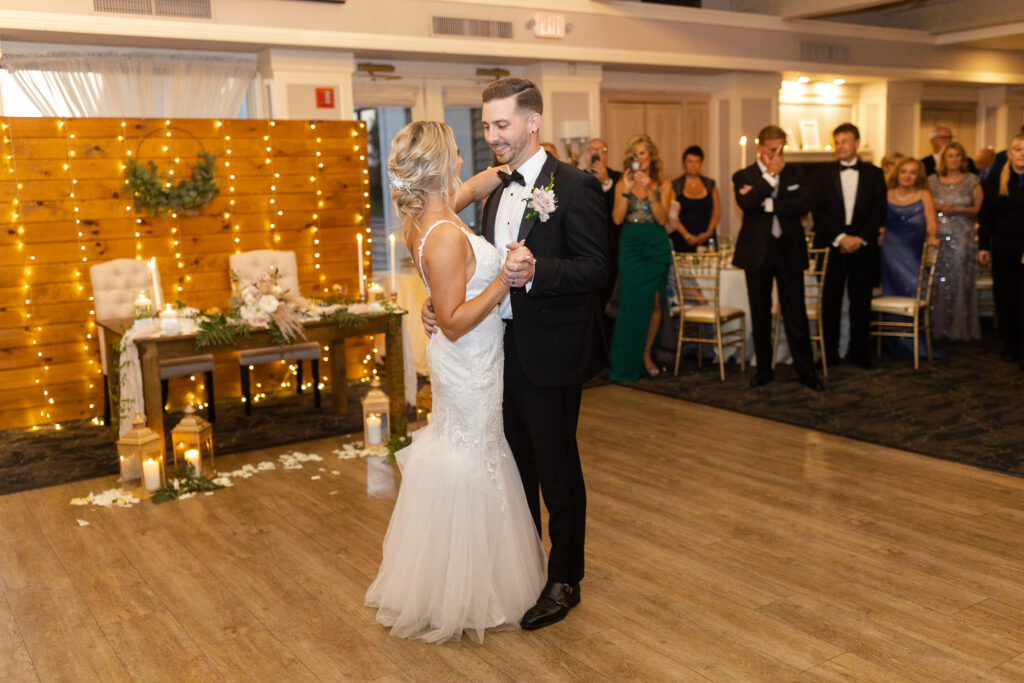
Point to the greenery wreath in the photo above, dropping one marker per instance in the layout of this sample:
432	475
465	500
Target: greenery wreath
156	193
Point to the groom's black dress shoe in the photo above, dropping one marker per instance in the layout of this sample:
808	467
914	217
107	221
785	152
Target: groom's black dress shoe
554	603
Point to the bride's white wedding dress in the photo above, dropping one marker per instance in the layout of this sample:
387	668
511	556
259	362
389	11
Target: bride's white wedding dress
461	553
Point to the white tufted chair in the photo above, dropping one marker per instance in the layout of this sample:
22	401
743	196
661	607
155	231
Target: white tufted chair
115	284
248	265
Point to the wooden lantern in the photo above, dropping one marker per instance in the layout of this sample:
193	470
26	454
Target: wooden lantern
376	417
141	455
193	433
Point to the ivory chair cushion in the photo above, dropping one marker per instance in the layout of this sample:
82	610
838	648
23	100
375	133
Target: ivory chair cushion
899	305
706	313
252	263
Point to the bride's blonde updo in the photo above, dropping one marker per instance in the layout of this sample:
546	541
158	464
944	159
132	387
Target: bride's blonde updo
424	159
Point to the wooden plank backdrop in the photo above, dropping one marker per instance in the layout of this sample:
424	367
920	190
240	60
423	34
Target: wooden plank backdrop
292	185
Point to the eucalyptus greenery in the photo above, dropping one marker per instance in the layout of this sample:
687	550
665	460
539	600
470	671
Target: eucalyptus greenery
397	443
155	191
184	481
217	329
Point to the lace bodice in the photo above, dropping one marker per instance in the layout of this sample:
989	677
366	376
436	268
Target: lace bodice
466	375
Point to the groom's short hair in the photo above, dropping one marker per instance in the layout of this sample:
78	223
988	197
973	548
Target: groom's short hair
528	99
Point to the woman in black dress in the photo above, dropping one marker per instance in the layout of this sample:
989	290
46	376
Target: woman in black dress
699	207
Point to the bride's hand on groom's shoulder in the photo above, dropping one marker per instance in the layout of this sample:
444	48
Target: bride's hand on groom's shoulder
428	318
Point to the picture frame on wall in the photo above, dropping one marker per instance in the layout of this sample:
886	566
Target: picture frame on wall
810	135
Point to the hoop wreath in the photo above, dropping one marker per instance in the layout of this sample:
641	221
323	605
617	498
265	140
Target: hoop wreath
155	192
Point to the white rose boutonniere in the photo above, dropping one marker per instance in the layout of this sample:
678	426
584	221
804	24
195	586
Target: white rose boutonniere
542	201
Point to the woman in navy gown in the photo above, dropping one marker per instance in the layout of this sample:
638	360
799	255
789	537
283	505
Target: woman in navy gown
909	222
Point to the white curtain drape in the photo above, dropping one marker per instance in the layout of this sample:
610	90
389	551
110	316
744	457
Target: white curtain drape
132	84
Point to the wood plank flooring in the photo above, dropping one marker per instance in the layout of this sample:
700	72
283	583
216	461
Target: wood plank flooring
720	547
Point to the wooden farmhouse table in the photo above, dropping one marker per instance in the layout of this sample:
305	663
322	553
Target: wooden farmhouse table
327	331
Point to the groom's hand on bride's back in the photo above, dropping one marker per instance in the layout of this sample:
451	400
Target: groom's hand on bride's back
428	318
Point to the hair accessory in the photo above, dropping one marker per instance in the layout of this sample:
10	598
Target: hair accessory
397	182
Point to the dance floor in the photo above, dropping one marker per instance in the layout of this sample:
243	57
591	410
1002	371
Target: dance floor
720	547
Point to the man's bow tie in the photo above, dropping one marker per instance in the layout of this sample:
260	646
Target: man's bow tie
509	178
842	167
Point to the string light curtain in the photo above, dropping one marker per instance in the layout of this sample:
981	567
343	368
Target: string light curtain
132	84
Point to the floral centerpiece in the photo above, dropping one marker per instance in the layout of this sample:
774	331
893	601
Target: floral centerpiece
262	302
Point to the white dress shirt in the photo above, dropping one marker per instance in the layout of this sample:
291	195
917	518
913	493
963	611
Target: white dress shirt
848	179
769	202
509	215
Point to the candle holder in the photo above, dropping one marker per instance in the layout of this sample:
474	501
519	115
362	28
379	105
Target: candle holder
169	323
141	455
194	433
376	417
143	311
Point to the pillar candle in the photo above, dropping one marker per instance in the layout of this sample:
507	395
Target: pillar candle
373	429
151	474
359	260
391	263
158	295
192	458
169	320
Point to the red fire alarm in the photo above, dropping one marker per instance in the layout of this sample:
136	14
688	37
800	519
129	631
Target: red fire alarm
325	98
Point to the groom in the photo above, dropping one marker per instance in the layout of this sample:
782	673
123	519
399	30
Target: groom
553	340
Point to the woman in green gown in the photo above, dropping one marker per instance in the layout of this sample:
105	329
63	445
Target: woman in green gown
642	201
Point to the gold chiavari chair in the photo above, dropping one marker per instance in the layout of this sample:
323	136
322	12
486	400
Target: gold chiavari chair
698	281
916	307
814	285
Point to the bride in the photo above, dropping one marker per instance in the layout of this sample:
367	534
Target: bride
461	553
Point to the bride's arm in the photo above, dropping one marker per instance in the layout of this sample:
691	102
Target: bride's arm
477	187
445	258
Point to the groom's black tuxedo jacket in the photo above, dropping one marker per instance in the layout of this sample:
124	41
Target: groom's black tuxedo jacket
557	324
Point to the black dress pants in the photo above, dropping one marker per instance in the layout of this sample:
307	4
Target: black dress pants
540	426
1008	294
790	281
855	274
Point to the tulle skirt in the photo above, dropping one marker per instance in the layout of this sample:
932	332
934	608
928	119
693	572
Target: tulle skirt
461	553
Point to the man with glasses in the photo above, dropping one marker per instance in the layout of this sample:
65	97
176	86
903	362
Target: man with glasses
940	137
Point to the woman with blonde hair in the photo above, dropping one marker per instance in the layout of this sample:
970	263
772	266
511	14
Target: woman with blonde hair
909	223
958	197
1001	243
461	552
642	202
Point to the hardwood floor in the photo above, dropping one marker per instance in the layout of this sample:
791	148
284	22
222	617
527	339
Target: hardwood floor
720	547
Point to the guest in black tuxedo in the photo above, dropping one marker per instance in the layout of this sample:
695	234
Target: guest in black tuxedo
594	160
848	202
771	246
940	137
1001	243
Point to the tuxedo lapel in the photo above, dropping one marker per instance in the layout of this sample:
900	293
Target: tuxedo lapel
543	178
491	213
862	192
837	184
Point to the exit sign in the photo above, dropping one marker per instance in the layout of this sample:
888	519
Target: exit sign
547	25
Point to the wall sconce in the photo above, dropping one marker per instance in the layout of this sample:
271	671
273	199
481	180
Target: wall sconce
574	134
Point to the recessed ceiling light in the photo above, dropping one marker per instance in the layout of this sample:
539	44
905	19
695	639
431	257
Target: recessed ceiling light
803	79
838	81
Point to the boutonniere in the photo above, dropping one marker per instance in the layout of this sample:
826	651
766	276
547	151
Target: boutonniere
542	201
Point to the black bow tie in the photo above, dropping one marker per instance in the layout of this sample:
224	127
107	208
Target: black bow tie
844	167
509	178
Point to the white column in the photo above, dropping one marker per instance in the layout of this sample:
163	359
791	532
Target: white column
293	75
903	117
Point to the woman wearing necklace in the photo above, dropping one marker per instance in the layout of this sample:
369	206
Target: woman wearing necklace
909	223
699	207
958	198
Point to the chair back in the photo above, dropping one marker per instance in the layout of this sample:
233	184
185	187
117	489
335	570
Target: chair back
814	283
697	279
926	274
115	286
249	264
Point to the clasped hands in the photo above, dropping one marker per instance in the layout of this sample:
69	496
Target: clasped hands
519	265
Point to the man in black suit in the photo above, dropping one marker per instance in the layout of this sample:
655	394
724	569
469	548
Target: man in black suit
940	137
848	202
552	325
594	160
771	246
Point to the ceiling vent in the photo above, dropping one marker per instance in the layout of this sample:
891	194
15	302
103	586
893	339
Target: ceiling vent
192	9
471	28
824	52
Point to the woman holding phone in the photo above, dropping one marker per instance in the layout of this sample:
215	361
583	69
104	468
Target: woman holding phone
642	201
